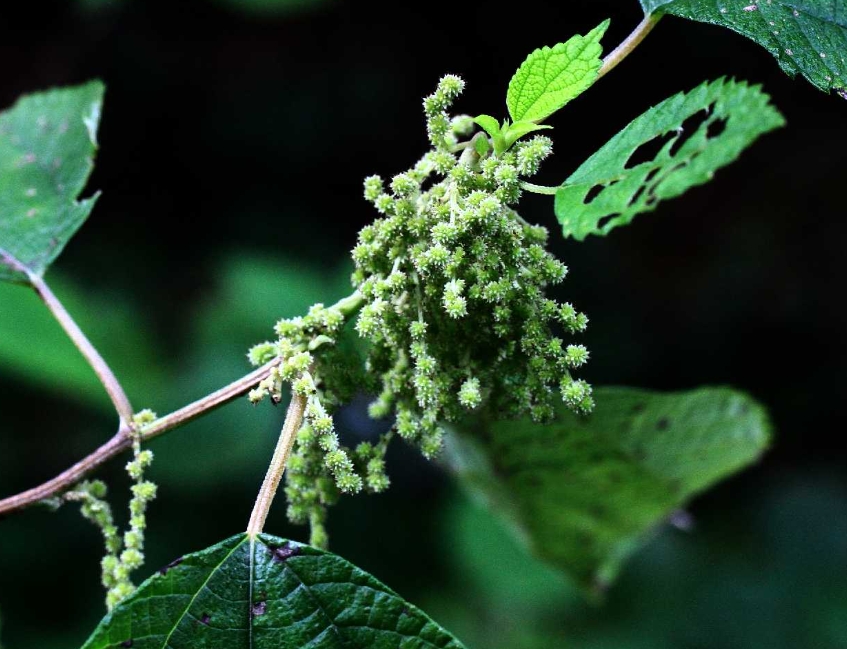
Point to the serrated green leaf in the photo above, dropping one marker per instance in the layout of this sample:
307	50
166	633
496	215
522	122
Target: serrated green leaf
550	77
688	156
516	131
269	594
488	124
583	493
807	37
47	145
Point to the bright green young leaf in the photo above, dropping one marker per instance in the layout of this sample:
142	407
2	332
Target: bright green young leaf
47	145
807	37
672	147
583	493
516	131
492	127
268	595
488	124
481	145
551	76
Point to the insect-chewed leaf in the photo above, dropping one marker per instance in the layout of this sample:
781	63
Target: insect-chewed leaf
550	77
807	37
731	115
268	594
47	145
583	492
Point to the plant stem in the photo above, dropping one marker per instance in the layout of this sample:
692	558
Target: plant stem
630	43
539	189
207	403
293	421
122	441
92	356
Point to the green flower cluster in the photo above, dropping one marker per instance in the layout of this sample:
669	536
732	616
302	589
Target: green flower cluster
454	285
450	295
123	555
319	468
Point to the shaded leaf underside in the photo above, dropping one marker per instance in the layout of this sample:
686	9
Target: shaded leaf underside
807	37
47	144
583	493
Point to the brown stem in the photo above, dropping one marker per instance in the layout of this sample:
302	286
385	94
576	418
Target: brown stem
293	421
95	360
123	441
632	41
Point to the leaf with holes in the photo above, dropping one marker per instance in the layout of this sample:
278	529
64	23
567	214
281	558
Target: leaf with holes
807	37
268	594
620	181
584	492
47	145
550	77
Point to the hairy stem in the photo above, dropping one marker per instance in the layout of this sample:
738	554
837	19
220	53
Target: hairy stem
293	421
122	441
539	189
629	44
95	360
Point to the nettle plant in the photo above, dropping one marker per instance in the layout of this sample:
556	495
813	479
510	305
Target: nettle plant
462	348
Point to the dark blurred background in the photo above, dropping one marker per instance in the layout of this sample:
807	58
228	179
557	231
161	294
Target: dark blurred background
235	137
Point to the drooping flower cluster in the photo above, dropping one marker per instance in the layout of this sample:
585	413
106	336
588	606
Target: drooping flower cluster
450	295
319	467
124	554
454	283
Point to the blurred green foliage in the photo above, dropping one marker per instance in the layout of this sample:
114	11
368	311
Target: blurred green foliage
220	129
35	349
756	572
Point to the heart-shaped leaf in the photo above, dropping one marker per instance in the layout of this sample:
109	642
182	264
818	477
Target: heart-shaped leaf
266	594
584	492
47	145
807	37
662	154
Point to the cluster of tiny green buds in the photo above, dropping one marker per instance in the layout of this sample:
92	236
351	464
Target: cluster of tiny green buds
95	508
450	294
474	277
469	394
124	554
119	566
439	126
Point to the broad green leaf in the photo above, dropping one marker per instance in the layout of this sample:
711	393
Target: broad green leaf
807	37
552	76
686	138
269	594
516	131
583	493
47	145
